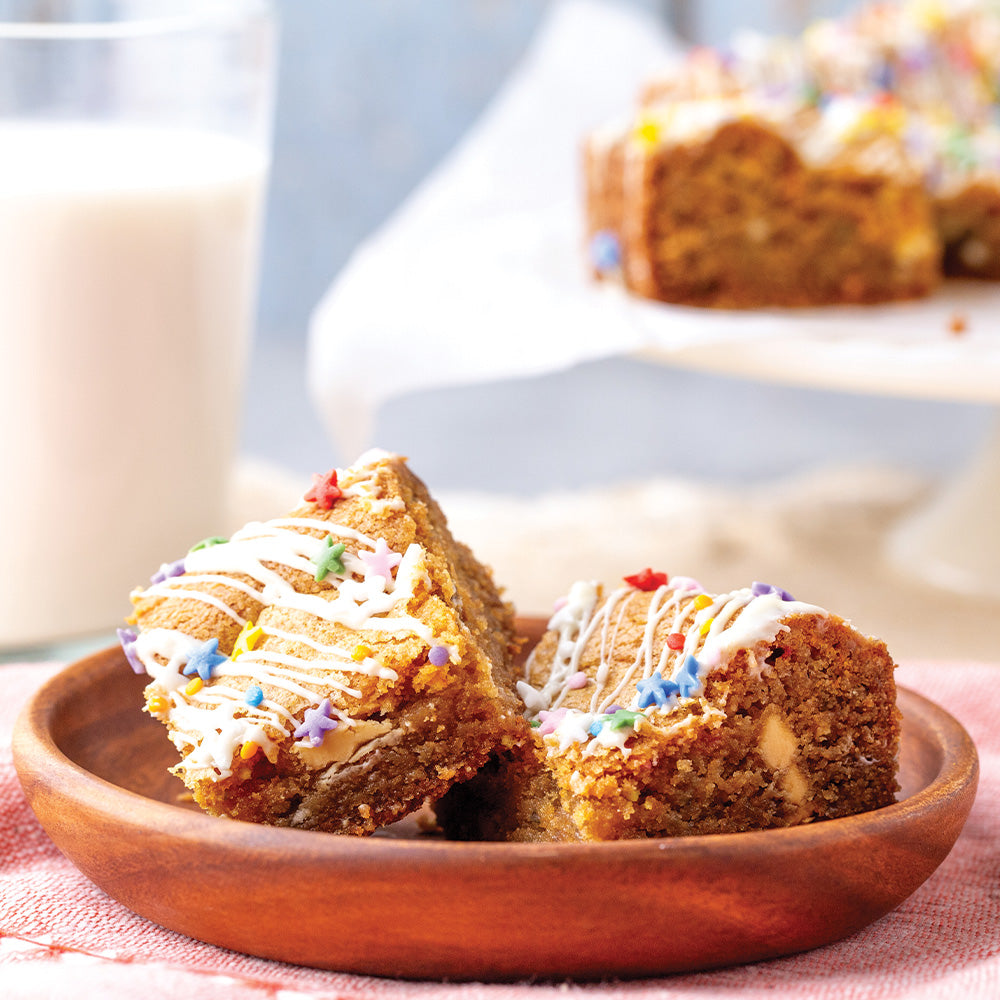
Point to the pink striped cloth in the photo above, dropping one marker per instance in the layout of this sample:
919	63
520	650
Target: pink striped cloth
61	936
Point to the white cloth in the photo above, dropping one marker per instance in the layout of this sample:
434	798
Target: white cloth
482	274
479	275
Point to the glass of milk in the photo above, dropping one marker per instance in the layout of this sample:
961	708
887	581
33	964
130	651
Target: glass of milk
134	148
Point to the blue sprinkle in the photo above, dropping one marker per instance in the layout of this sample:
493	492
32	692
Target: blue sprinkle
204	660
605	251
688	680
596	727
254	695
655	690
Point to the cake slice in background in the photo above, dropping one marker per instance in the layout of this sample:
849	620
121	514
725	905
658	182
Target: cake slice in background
744	201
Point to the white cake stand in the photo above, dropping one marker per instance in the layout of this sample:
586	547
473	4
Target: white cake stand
944	348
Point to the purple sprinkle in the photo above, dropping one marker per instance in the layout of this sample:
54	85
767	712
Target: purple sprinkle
759	589
316	724
167	570
127	637
439	655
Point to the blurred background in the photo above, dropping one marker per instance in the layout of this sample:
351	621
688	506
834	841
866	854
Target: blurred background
373	94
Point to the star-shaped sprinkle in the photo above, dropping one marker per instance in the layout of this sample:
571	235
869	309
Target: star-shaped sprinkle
759	589
624	718
646	579
548	721
166	571
328	560
315	724
254	695
382	561
439	655
204	659
616	717
324	491
688	679
128	637
248	638
207	543
655	690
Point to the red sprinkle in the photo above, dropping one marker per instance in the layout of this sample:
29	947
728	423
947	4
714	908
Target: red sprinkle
675	640
324	491
646	580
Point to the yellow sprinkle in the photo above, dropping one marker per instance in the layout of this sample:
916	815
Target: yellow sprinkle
248	749
361	653
706	625
648	131
249	636
157	703
702	601
194	685
930	14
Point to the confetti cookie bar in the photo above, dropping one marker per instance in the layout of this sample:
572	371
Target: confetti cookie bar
743	201
334	668
661	710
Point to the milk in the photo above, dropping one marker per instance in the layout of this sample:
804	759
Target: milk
127	273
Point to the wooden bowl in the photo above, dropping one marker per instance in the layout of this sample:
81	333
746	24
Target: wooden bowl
94	769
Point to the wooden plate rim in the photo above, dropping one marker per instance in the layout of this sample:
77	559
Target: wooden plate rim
33	731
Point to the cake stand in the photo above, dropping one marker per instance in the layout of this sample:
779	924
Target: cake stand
944	348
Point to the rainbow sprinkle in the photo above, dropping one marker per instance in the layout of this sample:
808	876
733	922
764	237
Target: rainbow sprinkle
248	638
328	559
646	579
316	723
128	637
656	690
324	491
204	659
207	543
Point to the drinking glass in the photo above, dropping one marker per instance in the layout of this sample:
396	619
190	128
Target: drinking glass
134	151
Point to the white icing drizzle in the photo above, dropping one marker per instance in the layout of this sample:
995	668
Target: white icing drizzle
212	722
369	665
712	631
568	621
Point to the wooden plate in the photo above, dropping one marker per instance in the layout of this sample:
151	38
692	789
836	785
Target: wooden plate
94	769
